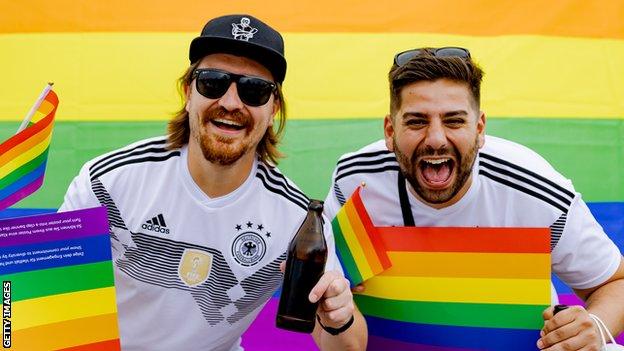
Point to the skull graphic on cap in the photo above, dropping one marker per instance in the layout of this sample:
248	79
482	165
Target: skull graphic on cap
242	30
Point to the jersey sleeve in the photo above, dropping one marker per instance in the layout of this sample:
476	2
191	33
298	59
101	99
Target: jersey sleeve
332	202
80	195
584	257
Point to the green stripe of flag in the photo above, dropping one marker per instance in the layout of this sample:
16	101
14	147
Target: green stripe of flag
52	281
588	151
451	313
345	253
24	169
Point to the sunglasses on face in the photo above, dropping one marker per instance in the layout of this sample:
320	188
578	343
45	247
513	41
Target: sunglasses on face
213	83
450	51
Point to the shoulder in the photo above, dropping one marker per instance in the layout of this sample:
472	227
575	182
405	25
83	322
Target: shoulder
373	164
277	184
372	158
517	167
152	150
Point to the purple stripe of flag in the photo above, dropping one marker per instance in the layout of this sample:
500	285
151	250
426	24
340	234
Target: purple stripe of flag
21	193
93	221
379	343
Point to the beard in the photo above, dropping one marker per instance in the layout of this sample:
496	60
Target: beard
221	149
463	167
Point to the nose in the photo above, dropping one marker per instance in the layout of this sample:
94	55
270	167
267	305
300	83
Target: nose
435	135
230	100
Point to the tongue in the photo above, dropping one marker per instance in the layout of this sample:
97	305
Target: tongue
437	174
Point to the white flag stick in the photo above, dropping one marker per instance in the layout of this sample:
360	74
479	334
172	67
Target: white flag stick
35	107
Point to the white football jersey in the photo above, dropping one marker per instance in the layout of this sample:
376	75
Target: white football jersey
191	272
512	186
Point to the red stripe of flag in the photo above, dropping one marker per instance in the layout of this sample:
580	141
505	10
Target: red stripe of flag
453	239
371	231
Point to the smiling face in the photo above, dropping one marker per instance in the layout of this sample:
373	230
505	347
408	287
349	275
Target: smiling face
225	129
436	133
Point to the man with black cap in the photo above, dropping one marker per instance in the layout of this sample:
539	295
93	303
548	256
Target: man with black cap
200	220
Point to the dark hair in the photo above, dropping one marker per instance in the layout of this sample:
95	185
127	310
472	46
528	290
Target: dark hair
427	67
179	129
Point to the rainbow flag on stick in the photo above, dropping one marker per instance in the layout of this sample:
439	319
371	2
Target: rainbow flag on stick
23	157
359	247
459	289
57	277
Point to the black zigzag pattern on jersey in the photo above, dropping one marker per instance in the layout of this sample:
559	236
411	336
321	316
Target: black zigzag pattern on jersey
153	151
339	195
368	162
114	216
556	230
526	181
275	182
258	288
156	260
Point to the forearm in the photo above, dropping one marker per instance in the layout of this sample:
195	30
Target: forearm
607	302
354	338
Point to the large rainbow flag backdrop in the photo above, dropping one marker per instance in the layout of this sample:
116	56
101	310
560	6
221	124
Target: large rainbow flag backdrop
459	289
58	285
554	81
24	156
359	247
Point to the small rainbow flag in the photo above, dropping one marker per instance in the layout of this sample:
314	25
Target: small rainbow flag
23	157
58	285
358	245
459	289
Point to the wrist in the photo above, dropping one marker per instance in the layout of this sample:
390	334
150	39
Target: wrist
336	331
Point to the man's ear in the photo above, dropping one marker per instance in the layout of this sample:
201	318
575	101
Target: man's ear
187	96
389	132
481	129
276	108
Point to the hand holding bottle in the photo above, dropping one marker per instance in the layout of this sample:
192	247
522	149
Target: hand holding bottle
335	299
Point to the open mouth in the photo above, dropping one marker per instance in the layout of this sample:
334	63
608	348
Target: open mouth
436	173
227	124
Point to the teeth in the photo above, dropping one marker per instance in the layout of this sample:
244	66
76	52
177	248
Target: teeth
228	122
437	161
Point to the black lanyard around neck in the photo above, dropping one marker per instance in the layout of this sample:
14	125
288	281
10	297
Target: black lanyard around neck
406	209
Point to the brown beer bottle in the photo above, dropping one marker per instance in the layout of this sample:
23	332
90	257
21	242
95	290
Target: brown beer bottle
305	265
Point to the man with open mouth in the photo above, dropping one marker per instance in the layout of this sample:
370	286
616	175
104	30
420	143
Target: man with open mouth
436	167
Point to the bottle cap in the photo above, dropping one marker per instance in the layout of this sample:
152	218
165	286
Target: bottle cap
315	205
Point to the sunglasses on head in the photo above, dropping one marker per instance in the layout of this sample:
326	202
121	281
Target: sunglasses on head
213	83
404	57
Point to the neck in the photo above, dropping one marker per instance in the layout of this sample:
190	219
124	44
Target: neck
217	180
462	191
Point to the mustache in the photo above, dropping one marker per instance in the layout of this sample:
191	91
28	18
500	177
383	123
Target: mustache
428	150
237	116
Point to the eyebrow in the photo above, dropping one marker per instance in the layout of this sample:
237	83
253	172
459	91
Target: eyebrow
424	115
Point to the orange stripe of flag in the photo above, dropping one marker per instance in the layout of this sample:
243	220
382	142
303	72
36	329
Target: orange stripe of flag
26	145
362	239
67	333
375	239
597	19
453	239
108	345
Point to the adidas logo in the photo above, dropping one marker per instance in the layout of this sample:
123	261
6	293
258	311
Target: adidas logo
156	224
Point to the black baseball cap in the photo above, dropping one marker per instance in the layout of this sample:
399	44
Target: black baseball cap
242	35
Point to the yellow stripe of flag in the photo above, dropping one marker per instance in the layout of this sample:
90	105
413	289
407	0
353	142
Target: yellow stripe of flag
526	76
468	290
62	307
356	250
469	265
